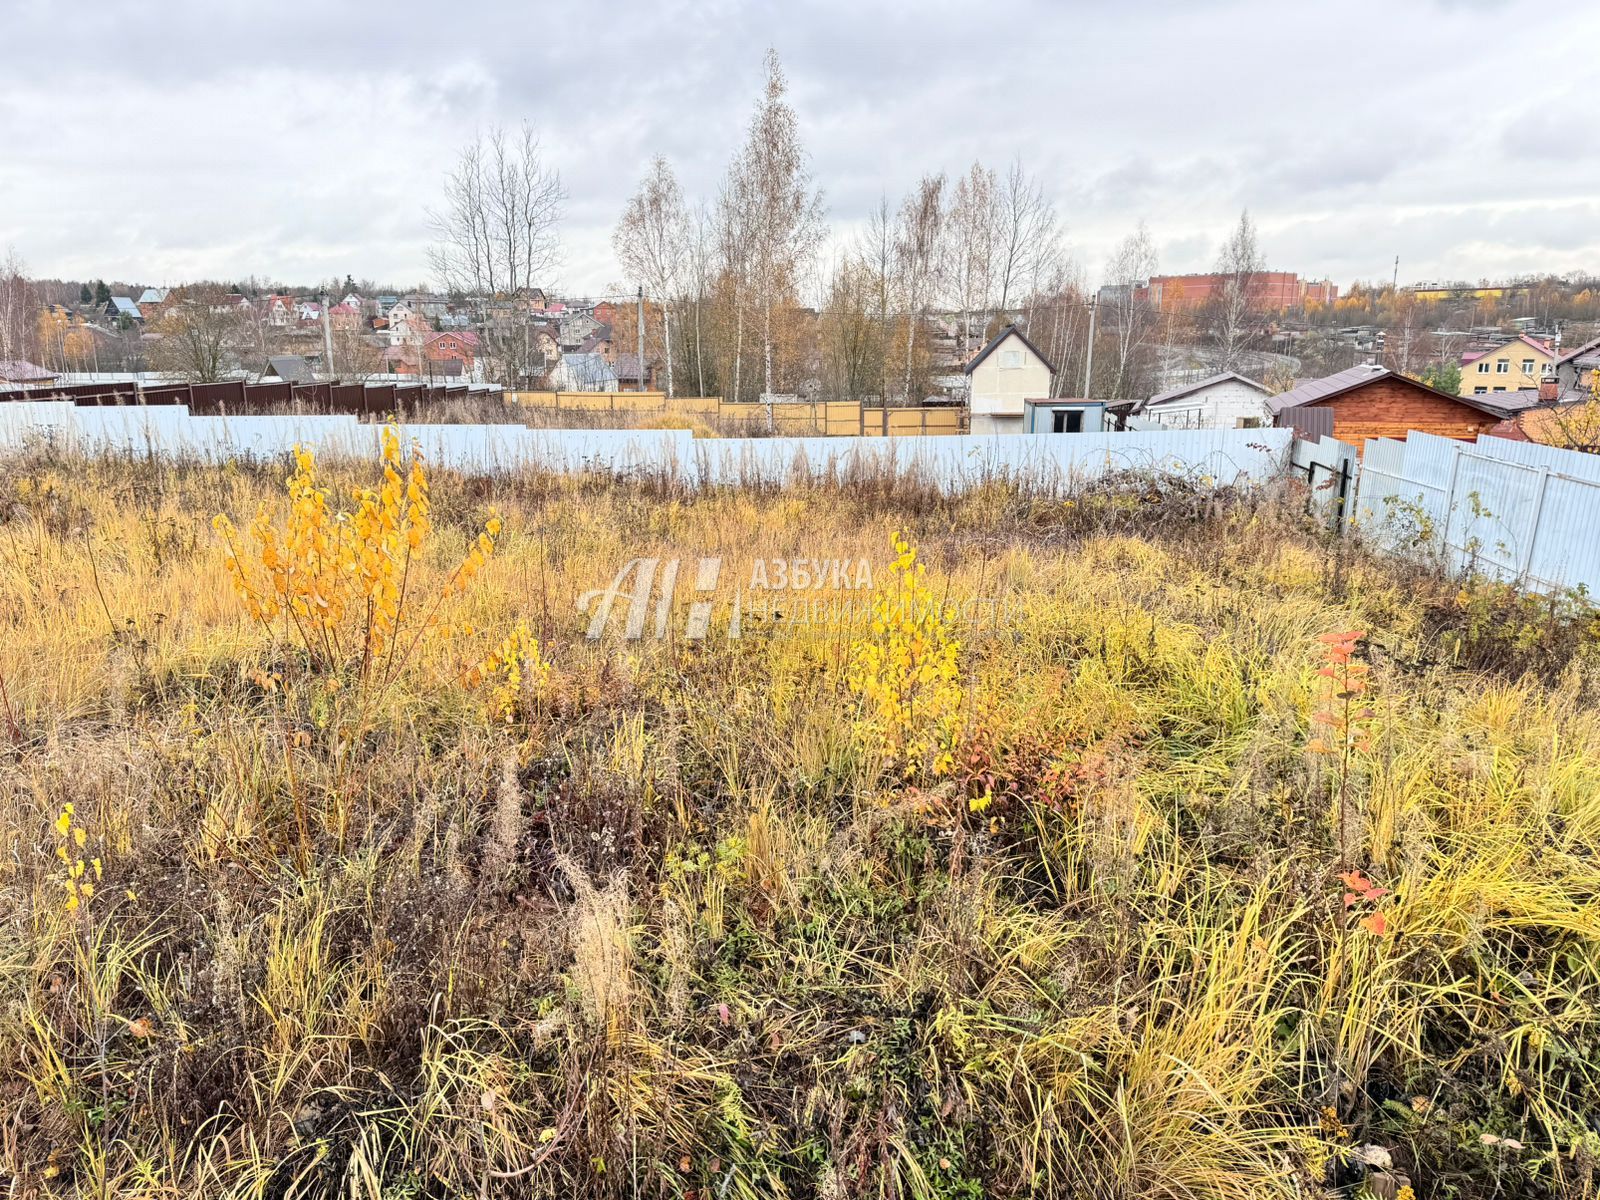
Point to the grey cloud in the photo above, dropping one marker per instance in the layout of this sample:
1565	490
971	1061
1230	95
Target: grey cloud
234	148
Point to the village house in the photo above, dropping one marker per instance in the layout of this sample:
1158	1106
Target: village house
278	311
1225	401
1374	402
545	344
599	342
405	324
1516	365
1552	416
458	345
154	303
627	369
1576	370
344	317
1001	378
576	328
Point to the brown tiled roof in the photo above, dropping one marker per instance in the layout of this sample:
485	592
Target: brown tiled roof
1315	390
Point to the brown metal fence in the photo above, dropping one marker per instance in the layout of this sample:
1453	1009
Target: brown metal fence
236	396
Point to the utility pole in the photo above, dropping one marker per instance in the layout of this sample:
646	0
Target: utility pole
1088	362
641	337
1396	284
327	340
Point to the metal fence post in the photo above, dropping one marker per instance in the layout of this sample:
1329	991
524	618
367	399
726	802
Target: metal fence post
1450	501
1533	524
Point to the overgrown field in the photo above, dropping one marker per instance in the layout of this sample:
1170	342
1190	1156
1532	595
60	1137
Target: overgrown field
1212	857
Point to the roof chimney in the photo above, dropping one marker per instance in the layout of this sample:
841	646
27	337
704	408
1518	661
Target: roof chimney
1549	390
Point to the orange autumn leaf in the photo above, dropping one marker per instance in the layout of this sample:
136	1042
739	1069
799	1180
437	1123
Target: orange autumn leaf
1376	924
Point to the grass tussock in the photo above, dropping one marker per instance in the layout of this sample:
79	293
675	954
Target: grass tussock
1228	861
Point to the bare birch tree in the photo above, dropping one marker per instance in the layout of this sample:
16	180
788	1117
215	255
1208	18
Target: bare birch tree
917	238
1026	230
497	234
698	264
651	242
784	214
971	242
733	234
877	252
497	229
19	311
1234	315
1127	315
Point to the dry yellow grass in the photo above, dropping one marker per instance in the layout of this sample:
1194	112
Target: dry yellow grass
674	918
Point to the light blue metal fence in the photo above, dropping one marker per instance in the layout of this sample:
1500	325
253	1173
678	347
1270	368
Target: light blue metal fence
955	462
1510	510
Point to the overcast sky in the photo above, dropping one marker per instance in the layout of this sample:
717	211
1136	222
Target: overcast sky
158	142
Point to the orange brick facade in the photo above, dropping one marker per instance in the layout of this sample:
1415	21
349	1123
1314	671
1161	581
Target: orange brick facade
1393	408
1270	291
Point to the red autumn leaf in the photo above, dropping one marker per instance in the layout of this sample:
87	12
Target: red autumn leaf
1375	924
1350	898
1377	893
1355	881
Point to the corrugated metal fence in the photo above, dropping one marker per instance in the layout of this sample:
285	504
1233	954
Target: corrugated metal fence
954	462
1512	510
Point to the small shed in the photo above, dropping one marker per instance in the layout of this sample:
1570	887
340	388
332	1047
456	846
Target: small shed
1064	415
1224	401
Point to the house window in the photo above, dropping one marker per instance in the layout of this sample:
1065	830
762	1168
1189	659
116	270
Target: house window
1010	360
1502	366
1483	368
1067	420
1499	389
1247	423
1527	366
1483	391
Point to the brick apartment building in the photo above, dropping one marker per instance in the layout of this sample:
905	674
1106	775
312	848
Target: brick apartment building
1271	291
